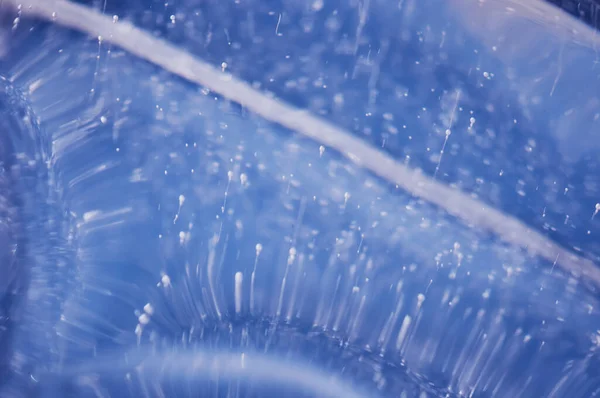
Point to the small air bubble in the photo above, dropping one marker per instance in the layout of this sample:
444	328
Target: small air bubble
149	309
338	99
317	5
144	319
292	253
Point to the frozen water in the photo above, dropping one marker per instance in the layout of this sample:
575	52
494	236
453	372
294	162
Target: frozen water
273	198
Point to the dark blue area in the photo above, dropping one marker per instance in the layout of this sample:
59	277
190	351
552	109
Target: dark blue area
12	242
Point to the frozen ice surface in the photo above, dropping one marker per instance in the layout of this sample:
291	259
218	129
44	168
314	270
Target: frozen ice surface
298	198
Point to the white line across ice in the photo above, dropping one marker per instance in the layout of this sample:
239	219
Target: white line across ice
179	62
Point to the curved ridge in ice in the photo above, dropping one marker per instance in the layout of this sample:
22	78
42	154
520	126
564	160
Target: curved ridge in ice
161	53
195	365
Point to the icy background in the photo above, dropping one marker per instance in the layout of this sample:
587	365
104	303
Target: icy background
158	239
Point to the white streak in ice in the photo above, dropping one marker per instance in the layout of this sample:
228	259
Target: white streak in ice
161	53
260	368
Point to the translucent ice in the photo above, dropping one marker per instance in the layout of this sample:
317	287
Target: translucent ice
272	198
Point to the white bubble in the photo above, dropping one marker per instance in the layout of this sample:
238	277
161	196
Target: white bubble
149	309
144	319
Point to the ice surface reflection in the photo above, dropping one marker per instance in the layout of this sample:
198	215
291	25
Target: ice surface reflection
186	234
